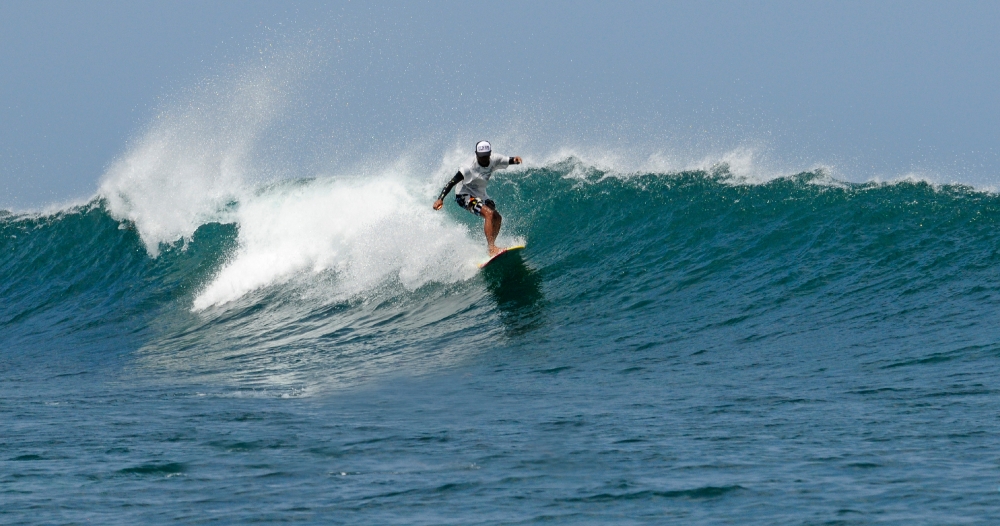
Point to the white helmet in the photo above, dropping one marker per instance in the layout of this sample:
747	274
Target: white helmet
483	149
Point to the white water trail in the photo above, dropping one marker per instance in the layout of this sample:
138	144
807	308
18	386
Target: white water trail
366	232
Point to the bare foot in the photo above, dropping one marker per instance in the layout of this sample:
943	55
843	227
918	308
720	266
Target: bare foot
494	250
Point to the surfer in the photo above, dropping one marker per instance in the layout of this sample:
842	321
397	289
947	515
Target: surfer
471	191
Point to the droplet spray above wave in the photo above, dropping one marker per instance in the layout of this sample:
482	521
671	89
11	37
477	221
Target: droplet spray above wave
200	153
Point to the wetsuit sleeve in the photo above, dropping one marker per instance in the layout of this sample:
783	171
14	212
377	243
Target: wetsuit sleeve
451	184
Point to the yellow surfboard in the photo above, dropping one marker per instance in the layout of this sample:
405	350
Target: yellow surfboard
500	254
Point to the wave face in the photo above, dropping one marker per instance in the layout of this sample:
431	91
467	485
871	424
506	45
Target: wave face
691	320
321	267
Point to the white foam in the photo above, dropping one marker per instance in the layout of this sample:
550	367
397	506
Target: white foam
366	232
169	186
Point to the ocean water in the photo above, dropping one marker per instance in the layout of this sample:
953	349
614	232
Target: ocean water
676	346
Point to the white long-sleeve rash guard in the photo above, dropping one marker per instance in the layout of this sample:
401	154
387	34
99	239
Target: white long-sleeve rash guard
472	179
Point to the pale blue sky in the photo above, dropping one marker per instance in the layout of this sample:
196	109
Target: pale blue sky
874	89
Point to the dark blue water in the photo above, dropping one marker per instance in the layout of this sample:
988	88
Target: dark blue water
670	348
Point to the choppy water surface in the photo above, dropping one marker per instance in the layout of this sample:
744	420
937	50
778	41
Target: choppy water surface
671	347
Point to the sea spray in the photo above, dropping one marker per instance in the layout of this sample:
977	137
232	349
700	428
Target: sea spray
205	150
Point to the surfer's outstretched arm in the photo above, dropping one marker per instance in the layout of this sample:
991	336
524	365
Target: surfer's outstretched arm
447	188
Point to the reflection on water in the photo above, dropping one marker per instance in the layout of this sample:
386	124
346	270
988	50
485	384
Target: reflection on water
517	290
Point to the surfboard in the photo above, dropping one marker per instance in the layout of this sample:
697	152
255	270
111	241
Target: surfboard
500	254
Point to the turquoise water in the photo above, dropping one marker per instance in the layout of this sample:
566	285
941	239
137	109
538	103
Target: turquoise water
670	348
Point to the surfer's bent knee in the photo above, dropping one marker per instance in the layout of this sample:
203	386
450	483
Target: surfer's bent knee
491	213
